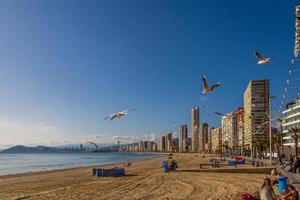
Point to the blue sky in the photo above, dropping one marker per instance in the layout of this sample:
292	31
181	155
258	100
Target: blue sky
66	64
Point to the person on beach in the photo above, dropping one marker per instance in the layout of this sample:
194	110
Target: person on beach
291	194
247	196
280	159
276	178
267	192
295	165
287	165
173	165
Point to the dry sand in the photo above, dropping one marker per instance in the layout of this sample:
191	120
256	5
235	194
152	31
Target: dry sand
144	180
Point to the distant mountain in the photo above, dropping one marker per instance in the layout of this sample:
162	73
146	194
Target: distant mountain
37	149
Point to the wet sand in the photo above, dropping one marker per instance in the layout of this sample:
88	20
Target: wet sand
144	180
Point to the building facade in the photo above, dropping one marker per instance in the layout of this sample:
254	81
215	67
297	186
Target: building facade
195	128
216	139
183	134
205	133
240	128
169	142
256	112
291	120
209	143
162	145
141	146
229	132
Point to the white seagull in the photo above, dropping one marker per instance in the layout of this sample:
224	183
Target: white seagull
117	115
262	60
208	89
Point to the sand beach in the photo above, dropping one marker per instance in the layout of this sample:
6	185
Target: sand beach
144	180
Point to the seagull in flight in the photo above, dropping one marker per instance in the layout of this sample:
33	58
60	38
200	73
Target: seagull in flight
208	89
261	59
117	115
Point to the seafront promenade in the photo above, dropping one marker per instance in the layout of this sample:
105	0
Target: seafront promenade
144	180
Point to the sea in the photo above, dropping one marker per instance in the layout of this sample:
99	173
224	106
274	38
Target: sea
15	163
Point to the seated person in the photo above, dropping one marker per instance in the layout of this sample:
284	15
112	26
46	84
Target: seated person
267	192
289	163
216	163
173	165
290	194
295	165
275	181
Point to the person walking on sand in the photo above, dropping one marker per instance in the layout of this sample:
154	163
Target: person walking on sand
267	192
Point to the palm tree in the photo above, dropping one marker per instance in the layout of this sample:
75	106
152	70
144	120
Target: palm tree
277	142
260	145
279	137
294	135
225	145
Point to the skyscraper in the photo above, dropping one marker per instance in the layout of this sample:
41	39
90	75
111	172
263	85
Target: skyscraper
162	147
183	133
240	128
169	142
290	120
195	128
204	134
209	143
256	112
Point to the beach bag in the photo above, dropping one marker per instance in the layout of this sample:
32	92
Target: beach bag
247	196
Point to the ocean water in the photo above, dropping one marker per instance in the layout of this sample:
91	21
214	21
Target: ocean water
14	163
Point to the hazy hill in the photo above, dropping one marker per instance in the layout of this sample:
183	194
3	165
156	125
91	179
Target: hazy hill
37	149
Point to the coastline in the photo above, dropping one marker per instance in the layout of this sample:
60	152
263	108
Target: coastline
143	180
79	165
75	168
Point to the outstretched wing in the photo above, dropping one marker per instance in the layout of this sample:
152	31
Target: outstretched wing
106	118
214	86
113	117
258	56
204	82
218	113
128	110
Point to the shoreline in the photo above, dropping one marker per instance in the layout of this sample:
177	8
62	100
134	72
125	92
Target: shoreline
81	167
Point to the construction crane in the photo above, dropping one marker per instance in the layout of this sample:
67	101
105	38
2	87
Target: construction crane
96	146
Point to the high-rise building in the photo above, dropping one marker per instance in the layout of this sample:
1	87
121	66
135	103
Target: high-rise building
183	133
204	134
216	139
291	120
148	146
209	143
141	146
240	128
154	147
229	134
256	112
163	144
195	128
169	142
200	138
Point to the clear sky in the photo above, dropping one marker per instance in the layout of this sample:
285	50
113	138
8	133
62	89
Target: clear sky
66	64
